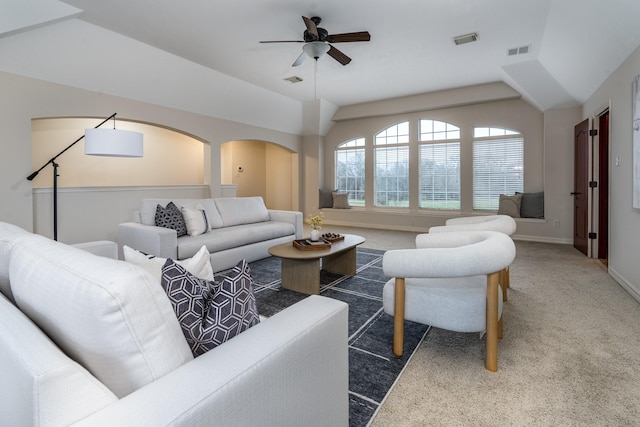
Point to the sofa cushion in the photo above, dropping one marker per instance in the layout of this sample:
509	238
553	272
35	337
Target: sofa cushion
232	237
108	315
148	209
8	235
40	384
341	200
325	198
211	312
510	205
198	265
532	205
195	219
241	210
170	217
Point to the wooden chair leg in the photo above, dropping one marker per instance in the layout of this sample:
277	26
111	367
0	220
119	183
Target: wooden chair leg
491	361
508	277
398	317
504	283
501	326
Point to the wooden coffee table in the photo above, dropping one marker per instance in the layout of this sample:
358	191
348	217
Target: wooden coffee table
301	269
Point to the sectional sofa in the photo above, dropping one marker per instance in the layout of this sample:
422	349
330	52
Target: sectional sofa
87	340
238	228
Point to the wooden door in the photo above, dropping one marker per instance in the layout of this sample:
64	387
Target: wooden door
581	188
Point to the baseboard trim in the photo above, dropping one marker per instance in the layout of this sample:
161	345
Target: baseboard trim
628	286
415	229
543	239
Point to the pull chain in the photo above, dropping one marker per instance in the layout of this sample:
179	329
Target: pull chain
315	80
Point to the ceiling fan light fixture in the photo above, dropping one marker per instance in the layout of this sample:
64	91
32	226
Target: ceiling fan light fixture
316	49
465	38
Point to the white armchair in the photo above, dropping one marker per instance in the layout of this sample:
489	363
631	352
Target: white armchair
502	223
449	281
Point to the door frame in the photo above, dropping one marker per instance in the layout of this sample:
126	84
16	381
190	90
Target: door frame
598	155
601	174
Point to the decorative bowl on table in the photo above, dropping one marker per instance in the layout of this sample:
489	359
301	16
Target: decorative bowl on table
332	237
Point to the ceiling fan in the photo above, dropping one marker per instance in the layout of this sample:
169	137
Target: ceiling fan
318	42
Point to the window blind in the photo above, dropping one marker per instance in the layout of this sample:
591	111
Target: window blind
498	167
440	175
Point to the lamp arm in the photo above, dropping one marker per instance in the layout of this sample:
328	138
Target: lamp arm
53	159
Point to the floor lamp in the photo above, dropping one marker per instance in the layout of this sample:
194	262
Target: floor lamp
98	142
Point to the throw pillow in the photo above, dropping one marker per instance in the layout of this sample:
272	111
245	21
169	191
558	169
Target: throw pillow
341	200
532	205
195	220
325	198
171	217
211	312
510	205
199	264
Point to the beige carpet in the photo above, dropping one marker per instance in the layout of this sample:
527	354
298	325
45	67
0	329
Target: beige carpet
570	355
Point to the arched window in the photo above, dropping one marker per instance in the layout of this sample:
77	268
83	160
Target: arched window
349	167
498	165
439	179
391	162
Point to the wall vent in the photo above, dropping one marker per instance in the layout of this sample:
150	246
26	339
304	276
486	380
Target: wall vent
466	38
293	79
519	50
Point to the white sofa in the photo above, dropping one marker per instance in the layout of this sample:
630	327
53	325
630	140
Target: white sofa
240	228
91	341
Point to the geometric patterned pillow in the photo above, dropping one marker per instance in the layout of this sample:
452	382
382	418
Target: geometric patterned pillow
170	217
211	312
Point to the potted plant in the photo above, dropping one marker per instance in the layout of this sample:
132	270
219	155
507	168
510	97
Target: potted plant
315	221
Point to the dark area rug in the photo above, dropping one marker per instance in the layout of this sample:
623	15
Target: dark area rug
373	369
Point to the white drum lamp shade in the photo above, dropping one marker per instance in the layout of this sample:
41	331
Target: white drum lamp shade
112	143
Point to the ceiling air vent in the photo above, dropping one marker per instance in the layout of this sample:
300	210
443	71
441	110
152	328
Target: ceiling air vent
293	79
467	38
519	50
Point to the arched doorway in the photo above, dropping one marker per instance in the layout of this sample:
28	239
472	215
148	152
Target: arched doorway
170	157
98	193
261	168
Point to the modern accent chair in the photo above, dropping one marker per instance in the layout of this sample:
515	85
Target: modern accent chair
502	223
449	281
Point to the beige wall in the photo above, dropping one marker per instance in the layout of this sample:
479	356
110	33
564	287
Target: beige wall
280	185
251	157
548	139
170	158
624	220
25	99
558	171
268	170
93	213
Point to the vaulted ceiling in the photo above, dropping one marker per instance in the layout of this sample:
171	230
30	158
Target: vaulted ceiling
573	46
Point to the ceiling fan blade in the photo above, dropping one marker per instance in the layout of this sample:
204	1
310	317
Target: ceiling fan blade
300	59
311	27
339	56
281	41
360	36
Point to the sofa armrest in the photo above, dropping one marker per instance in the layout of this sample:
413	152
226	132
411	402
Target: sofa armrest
158	241
102	248
292	217
290	370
